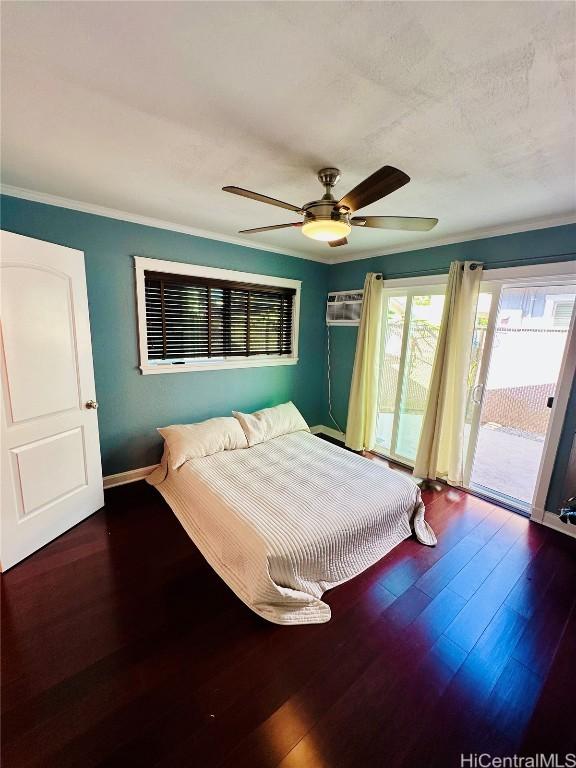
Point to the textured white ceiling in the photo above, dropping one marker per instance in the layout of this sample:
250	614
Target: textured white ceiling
151	107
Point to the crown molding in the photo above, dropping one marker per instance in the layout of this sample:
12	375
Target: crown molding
331	259
464	237
147	221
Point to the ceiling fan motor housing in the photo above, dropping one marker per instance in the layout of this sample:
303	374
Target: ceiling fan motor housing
324	209
324	219
318	210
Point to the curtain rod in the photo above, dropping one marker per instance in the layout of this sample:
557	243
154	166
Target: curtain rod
502	262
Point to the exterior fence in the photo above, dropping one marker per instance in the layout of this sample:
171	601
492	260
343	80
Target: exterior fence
532	355
518	408
419	360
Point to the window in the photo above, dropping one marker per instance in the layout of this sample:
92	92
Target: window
411	322
562	313
201	318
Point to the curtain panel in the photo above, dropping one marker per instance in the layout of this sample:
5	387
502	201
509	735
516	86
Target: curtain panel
363	402
442	446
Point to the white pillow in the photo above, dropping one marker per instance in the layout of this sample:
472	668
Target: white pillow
271	422
192	441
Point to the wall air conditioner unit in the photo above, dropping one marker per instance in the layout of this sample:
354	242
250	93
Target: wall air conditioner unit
344	307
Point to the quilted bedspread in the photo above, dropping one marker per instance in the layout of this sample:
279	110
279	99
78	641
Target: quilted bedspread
287	519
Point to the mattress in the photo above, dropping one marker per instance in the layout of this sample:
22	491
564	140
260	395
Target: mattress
284	521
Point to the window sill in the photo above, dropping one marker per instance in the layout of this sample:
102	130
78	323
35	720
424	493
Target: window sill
217	365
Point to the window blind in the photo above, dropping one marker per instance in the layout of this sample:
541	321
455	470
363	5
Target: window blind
193	317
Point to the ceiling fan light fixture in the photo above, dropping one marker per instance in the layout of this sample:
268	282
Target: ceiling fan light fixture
329	220
326	229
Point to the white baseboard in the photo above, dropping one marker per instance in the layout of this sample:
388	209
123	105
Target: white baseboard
131	476
320	428
552	520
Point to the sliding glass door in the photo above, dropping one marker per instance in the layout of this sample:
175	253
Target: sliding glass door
409	338
521	334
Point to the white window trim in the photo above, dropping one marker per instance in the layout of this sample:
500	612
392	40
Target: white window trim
144	264
563	271
420	281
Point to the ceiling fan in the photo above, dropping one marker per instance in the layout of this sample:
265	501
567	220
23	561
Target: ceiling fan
330	220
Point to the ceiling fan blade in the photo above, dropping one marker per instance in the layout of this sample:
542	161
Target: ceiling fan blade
261	198
382	183
407	223
336	243
268	229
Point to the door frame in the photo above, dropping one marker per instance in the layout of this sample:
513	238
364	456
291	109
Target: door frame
516	277
495	289
555	423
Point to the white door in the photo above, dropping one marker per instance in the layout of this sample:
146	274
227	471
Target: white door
51	471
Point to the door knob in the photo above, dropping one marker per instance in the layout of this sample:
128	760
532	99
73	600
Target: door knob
92	404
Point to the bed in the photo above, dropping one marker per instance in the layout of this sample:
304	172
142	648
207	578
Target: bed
285	520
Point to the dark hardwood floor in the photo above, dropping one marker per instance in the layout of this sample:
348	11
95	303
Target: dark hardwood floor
121	647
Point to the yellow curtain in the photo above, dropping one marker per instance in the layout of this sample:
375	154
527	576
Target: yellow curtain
363	403
441	450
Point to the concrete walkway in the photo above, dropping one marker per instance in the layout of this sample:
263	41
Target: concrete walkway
504	462
507	463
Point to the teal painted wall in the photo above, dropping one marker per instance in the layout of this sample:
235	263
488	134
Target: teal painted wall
539	246
132	405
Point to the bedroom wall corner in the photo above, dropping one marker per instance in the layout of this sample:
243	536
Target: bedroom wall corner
132	406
